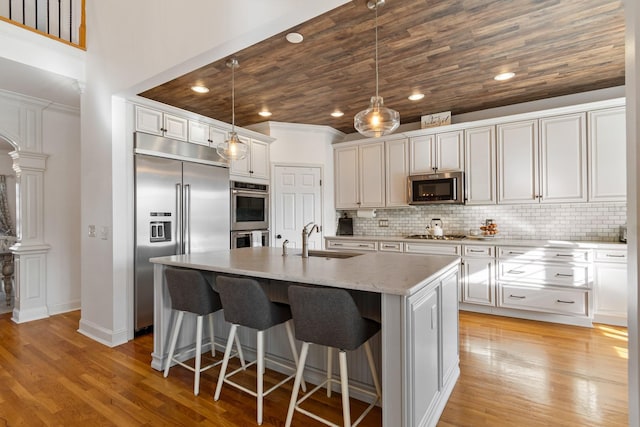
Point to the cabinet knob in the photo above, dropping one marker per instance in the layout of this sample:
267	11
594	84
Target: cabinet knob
279	236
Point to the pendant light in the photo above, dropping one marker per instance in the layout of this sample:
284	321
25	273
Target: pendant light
377	120
232	148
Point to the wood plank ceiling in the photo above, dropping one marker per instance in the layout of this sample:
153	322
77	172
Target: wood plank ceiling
449	50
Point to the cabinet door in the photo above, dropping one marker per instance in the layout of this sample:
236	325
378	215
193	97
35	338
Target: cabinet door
372	175
148	120
610	284
478	282
397	169
607	154
242	167
216	136
423	333
518	162
198	133
563	159
175	127
421	154
480	166
346	177
259	159
449	151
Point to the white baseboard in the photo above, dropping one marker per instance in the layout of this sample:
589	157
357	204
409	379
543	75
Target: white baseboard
102	335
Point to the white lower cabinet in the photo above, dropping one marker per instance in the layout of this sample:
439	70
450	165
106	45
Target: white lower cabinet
610	286
478	281
551	300
432	328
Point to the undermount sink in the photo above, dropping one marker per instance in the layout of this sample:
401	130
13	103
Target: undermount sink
333	254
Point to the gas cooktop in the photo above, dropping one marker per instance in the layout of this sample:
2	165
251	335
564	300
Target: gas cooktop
430	237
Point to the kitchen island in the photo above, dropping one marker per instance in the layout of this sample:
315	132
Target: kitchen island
418	310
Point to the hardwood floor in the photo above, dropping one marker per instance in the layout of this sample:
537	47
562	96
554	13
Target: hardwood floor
514	373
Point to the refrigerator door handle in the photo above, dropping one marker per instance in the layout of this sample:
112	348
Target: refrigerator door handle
178	224
187	218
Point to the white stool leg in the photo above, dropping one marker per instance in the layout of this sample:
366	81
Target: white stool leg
372	367
225	361
344	384
329	369
174	339
260	345
294	351
240	355
196	370
212	337
296	383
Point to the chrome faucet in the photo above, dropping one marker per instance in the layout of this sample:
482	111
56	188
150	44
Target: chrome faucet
305	237
284	248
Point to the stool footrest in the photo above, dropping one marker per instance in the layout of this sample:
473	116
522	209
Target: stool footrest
251	392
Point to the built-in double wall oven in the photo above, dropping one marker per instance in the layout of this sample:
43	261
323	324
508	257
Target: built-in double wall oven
249	214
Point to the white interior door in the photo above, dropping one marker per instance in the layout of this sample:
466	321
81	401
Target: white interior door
297	202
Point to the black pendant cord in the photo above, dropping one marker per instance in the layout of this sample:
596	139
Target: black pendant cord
376	51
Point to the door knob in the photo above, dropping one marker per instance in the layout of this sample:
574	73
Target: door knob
279	236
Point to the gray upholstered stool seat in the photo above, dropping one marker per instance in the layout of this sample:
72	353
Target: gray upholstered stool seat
190	292
330	317
246	304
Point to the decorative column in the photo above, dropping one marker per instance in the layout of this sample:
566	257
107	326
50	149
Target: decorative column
30	251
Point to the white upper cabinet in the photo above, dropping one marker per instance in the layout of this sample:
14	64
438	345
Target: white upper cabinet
156	122
563	159
347	193
518	162
203	134
607	154
397	170
442	152
480	165
542	161
372	175
256	164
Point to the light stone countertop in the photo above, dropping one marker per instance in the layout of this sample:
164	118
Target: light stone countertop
550	243
384	273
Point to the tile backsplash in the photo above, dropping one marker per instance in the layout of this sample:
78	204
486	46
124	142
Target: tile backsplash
566	221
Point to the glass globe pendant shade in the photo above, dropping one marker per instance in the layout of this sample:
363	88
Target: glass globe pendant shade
232	148
377	120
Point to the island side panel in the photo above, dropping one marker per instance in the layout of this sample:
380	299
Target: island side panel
161	317
394	370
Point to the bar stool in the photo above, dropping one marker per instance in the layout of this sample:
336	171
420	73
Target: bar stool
330	317
247	304
190	292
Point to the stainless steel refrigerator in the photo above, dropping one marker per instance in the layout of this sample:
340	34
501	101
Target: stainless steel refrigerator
181	207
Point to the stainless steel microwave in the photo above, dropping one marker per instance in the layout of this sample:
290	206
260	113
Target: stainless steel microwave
445	187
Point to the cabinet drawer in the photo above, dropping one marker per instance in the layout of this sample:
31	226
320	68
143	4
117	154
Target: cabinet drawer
432	248
562	301
352	244
484	251
390	246
554	274
545	254
611	255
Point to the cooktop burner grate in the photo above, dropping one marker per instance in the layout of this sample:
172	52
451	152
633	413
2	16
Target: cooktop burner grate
430	237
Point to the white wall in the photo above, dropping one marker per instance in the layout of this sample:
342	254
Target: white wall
163	40
61	141
6	168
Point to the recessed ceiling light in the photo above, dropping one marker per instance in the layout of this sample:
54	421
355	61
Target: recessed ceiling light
200	89
337	113
416	96
504	76
294	38
265	113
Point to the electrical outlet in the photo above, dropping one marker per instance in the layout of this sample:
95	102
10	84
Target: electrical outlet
383	223
92	231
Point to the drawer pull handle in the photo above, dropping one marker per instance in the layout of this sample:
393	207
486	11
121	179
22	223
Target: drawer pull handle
563	275
337	244
515	272
515	253
388	246
362	245
566	255
615	256
476	251
517	296
565	302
